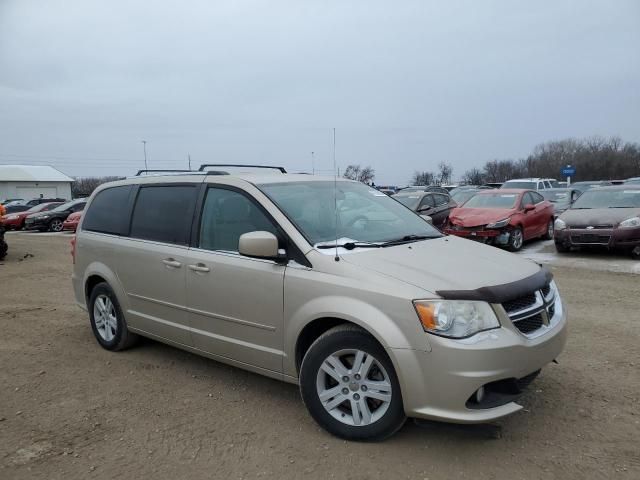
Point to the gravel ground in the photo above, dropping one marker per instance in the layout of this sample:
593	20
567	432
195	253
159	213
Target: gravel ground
69	409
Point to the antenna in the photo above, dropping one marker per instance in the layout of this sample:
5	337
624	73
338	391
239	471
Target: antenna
335	191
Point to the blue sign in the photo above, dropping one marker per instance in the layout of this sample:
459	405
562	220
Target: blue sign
569	171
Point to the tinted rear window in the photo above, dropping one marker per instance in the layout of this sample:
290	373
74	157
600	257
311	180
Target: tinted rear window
108	211
164	213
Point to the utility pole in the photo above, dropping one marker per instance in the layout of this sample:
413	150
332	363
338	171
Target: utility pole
144	147
313	167
189	157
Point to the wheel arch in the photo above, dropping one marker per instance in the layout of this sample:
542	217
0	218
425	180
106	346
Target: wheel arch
306	326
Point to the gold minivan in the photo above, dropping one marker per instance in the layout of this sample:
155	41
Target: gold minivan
322	282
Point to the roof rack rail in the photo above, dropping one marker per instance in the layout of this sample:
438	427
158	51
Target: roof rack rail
206	165
140	172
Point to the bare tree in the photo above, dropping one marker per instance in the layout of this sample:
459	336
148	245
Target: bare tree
423	178
473	176
445	172
83	187
356	172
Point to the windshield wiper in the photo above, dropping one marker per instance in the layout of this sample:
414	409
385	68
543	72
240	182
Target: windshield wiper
407	239
350	245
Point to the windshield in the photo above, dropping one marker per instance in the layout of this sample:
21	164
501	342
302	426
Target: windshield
560	197
363	213
492	200
461	196
410	201
66	206
527	185
608	199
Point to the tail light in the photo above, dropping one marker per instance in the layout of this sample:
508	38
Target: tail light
73	249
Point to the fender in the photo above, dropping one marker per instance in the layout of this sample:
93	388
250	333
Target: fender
383	328
101	270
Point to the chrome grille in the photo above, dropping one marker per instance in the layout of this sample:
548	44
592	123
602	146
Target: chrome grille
532	311
520	303
590	238
529	324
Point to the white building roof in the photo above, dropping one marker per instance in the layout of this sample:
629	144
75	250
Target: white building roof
31	173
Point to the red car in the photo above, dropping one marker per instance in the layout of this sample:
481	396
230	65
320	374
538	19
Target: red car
71	223
15	220
505	217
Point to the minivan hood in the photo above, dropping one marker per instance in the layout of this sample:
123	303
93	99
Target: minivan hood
597	216
446	263
473	217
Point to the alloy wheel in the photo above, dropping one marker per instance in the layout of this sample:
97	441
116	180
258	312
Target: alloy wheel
517	239
56	225
104	315
353	387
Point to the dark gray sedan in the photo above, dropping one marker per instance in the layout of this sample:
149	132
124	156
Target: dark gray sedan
435	205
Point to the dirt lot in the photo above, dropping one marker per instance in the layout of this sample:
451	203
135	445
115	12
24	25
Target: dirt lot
69	409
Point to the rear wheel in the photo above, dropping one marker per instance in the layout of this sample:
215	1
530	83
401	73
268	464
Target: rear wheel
55	225
350	387
516	240
107	321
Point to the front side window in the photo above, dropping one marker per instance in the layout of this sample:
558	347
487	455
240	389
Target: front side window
441	200
107	213
226	215
164	213
426	202
362	213
536	197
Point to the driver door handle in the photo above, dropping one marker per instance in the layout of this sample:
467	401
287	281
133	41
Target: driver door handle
199	267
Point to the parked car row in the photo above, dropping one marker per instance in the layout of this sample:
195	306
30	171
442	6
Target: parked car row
52	216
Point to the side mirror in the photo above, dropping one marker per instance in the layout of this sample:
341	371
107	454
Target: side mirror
427	219
529	206
259	244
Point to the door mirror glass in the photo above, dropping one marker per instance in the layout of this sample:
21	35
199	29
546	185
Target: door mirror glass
259	244
529	206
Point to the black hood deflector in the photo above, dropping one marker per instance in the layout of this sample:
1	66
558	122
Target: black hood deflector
502	293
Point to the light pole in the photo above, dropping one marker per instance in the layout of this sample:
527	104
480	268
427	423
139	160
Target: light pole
313	163
144	147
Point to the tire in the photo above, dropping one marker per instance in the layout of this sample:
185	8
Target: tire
55	225
110	328
635	253
4	248
516	240
562	248
550	229
375	394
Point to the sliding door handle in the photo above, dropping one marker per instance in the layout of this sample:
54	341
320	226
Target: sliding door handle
199	267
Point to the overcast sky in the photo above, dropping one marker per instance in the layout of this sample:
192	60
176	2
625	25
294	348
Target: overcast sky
406	84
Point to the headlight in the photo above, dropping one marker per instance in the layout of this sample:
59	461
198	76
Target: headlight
632	222
455	318
11	217
500	224
45	216
559	224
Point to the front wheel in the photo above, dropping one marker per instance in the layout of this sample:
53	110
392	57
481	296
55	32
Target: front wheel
516	240
350	387
549	233
55	225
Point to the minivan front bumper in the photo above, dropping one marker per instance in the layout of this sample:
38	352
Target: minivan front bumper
438	384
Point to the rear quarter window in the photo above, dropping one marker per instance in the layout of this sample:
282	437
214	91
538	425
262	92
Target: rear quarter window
164	213
108	211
